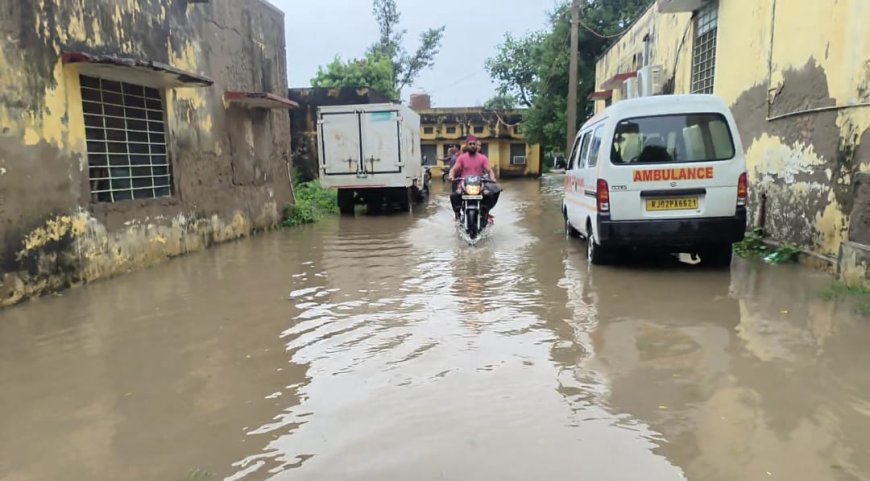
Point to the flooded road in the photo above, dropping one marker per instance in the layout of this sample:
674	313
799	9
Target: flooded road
381	348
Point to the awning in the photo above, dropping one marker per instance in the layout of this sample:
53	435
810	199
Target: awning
602	95
616	81
259	100
134	70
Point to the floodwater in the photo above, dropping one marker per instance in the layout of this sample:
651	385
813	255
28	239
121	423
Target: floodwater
381	348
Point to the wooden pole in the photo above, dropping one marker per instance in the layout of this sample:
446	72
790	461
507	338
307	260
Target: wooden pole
572	77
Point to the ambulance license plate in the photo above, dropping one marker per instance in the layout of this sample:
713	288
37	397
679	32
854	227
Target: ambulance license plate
681	203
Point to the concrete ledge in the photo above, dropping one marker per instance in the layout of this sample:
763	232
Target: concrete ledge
854	261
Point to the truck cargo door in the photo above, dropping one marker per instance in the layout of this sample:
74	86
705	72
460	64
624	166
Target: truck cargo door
340	143
381	142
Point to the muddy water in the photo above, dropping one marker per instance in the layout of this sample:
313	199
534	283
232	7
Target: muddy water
383	349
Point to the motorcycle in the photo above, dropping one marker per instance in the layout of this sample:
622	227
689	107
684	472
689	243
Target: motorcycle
473	216
445	173
427	179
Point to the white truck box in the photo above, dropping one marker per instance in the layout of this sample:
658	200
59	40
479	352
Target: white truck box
371	154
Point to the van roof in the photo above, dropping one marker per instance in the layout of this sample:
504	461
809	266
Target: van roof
662	105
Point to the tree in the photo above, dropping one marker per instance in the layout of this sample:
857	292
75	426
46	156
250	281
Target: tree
515	67
535	67
501	102
389	50
372	71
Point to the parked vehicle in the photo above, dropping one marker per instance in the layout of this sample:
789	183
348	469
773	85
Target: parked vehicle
474	217
371	154
664	172
427	179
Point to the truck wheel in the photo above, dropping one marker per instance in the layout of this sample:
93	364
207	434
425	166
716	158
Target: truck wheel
406	197
345	201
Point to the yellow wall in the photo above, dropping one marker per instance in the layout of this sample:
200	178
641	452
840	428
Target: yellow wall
54	233
775	60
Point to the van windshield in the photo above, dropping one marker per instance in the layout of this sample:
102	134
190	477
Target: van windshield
665	139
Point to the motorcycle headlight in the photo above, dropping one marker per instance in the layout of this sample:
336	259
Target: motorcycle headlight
472	189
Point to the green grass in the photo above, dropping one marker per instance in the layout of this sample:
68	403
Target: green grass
841	290
753	246
313	203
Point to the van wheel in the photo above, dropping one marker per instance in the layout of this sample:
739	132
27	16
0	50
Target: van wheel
596	254
717	256
569	229
345	201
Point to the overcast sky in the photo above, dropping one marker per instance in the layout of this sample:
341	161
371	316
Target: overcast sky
317	30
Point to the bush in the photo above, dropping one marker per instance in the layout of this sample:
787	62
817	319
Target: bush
313	202
753	246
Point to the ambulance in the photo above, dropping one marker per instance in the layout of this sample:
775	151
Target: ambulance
665	172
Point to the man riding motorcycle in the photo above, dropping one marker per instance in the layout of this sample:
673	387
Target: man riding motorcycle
472	163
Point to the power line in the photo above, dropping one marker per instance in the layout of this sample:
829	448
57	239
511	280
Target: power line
601	35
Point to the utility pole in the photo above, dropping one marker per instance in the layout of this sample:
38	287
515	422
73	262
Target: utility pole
572	78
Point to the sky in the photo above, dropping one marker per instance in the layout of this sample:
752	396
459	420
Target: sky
317	30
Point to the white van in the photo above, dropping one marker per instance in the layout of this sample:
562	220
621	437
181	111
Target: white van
665	172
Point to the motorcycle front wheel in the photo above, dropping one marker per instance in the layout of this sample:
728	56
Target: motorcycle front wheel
471	223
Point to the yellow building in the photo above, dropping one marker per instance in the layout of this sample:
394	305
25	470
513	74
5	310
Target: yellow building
125	141
796	74
497	130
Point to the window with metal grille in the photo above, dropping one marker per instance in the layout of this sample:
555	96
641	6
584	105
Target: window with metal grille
126	139
704	53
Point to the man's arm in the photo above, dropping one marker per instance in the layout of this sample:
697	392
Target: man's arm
488	166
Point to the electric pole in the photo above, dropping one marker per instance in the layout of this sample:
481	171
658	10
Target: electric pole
572	78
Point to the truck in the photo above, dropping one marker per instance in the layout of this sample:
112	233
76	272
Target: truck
371	154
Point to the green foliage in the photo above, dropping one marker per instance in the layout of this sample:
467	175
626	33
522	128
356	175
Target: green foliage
501	102
372	71
313	202
515	67
387	66
535	68
841	290
753	246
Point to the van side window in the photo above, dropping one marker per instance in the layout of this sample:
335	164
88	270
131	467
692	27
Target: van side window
584	150
572	159
596	146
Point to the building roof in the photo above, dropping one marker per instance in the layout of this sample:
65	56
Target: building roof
126	69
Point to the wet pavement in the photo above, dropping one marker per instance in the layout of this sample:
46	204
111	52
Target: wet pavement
381	348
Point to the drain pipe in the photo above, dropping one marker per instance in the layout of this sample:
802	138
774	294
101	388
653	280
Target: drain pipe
762	214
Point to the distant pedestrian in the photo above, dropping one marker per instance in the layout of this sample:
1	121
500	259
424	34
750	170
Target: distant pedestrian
452	155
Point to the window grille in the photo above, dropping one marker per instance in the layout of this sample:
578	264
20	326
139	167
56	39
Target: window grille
704	53
126	141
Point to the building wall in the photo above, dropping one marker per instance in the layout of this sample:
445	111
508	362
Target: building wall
451	126
796	75
51	233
